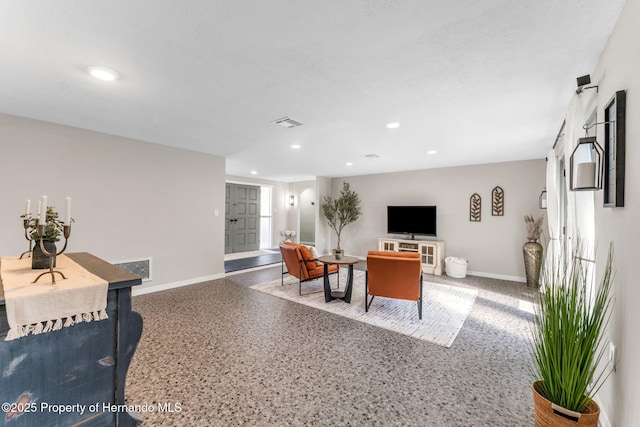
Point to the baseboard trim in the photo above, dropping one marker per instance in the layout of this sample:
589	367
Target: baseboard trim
150	289
498	276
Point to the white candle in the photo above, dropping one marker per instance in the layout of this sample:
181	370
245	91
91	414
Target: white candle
67	208
586	176
43	210
27	208
39	209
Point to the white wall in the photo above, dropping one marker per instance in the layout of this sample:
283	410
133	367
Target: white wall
618	69
131	199
296	212
323	232
308	211
492	246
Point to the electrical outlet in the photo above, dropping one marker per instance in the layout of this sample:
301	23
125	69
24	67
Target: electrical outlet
612	356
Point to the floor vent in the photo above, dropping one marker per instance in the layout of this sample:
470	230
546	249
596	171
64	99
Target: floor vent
139	267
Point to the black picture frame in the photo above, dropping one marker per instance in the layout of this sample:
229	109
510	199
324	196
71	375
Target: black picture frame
614	150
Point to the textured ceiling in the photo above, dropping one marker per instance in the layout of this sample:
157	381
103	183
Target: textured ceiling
478	81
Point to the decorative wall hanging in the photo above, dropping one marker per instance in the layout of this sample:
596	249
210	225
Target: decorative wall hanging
614	150
585	165
497	202
475	204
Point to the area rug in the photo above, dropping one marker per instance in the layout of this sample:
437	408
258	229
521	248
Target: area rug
444	308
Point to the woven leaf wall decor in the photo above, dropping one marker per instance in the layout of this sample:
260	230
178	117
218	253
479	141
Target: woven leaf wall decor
475	205
497	202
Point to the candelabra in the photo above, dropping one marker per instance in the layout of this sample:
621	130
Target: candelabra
66	233
25	223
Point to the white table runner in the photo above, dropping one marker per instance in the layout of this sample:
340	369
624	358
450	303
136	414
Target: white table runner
34	308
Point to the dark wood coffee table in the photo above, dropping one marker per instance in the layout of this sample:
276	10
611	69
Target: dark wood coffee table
344	295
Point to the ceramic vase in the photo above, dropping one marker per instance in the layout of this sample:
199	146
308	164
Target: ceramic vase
532	252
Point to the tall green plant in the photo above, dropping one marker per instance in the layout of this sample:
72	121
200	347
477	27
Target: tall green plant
569	328
342	211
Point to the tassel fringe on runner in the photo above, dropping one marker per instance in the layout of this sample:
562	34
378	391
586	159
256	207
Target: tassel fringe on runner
50	325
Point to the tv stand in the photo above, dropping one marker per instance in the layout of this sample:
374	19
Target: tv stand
431	251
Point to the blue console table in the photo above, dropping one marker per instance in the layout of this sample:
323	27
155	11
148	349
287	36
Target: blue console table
74	376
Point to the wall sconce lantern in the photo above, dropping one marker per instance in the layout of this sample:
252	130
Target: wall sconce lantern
292	200
583	81
542	200
586	165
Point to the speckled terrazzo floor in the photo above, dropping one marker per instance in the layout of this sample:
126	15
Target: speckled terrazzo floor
230	355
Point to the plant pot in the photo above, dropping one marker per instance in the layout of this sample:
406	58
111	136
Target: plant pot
39	260
337	254
532	252
549	415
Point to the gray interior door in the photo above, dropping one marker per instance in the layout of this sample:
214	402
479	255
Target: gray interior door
242	218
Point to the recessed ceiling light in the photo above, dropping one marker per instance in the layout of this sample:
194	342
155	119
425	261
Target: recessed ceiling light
432	152
349	164
102	73
254	172
393	125
295	146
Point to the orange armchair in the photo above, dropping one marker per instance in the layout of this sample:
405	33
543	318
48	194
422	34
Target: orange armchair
394	275
301	264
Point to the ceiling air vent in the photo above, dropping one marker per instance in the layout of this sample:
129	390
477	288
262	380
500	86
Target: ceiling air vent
371	156
287	122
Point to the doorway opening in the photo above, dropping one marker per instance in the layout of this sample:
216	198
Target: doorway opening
307	220
266	216
242	218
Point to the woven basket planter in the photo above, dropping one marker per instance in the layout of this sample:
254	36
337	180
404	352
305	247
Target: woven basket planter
548	414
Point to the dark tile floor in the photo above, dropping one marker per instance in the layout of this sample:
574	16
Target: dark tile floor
230	355
247	263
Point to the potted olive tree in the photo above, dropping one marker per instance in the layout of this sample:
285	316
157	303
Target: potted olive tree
568	342
341	212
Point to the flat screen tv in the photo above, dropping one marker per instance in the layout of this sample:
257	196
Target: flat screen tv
413	220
